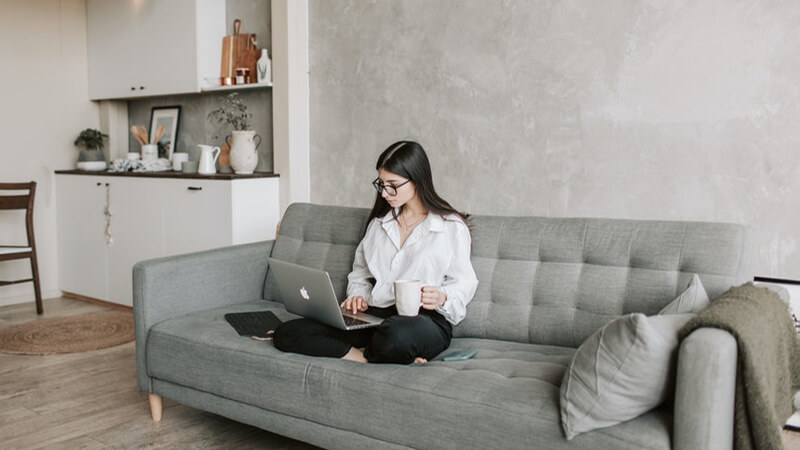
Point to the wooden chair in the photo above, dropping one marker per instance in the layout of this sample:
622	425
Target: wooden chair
28	251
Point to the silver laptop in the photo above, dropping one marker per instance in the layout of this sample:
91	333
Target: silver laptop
309	293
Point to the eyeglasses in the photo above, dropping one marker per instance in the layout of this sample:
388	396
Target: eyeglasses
390	190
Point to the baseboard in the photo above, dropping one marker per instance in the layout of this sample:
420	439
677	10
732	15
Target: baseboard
26	298
97	301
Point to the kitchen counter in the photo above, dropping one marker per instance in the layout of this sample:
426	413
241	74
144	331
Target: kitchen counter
169	174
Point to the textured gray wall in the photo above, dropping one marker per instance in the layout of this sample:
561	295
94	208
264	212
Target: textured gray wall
194	129
684	110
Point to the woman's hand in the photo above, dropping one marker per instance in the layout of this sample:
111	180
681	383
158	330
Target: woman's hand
432	297
355	304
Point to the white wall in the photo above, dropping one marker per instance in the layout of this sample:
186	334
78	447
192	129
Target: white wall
43	87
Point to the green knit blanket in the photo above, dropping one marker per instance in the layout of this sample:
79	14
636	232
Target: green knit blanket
768	365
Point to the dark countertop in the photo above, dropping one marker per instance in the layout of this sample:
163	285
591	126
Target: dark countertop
168	174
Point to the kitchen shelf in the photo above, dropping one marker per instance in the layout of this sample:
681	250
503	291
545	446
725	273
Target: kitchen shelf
236	87
169	174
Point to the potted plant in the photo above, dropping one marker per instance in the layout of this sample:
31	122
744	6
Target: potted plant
243	157
92	142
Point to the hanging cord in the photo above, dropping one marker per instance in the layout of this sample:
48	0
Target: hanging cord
107	213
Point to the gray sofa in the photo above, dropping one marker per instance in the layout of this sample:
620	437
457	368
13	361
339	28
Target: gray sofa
546	284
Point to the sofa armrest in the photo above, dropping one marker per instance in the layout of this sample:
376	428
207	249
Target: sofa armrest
174	286
705	388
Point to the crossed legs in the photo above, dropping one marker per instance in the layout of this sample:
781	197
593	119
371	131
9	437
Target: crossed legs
399	339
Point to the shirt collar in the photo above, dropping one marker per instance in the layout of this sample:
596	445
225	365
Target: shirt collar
434	222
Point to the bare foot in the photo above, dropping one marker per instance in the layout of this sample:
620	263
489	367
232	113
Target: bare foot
420	360
355	354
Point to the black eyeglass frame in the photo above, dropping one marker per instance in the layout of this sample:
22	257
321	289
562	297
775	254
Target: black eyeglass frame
390	190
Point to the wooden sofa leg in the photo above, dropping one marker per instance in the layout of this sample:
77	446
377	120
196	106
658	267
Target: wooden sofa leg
155	407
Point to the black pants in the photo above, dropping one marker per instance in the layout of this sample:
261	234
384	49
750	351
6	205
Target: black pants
398	339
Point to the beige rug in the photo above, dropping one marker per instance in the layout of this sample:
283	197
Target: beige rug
72	334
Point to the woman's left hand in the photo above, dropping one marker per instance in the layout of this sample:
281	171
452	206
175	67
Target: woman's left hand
432	297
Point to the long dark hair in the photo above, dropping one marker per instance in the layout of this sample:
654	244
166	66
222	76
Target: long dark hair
408	159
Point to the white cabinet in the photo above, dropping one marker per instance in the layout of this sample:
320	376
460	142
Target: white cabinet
81	241
136	227
188	203
152	217
142	48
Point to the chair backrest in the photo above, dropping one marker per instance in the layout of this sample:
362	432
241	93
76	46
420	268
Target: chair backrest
17	201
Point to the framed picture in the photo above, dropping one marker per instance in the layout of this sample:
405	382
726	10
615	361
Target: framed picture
169	117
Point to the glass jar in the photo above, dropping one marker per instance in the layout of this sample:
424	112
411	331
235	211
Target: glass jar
242	75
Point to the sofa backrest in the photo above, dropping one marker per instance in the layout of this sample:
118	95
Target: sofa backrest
557	280
545	280
318	236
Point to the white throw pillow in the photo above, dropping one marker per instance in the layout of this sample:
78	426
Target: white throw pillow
693	300
621	371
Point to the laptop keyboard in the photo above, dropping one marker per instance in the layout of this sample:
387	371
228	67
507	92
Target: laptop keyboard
353	322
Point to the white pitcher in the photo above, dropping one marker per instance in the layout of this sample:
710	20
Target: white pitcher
208	160
244	157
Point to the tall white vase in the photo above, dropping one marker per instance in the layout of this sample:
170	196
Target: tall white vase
244	157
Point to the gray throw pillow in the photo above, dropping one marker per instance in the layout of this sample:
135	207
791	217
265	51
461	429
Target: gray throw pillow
621	371
627	367
693	300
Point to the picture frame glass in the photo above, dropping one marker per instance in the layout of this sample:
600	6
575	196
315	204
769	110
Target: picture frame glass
168	117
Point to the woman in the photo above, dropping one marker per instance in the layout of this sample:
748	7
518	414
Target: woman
412	234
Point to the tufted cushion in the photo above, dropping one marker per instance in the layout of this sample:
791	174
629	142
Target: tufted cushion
557	280
544	280
506	397
322	237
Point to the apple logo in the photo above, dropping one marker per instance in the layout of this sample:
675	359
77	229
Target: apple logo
304	293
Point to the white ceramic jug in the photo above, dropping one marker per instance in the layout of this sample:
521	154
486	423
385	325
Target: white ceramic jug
208	159
244	157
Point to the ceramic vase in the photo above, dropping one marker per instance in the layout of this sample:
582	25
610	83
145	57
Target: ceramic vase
264	68
244	157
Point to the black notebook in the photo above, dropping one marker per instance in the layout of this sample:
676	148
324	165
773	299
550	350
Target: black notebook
257	323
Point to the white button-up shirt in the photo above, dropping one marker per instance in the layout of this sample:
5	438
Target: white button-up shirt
436	253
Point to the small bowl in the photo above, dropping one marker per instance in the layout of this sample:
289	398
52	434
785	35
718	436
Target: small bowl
92	166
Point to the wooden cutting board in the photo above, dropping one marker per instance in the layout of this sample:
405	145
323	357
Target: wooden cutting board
238	50
249	58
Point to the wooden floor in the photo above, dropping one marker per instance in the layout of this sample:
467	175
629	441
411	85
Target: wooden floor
90	401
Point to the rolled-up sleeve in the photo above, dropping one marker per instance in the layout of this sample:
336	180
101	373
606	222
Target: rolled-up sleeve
460	281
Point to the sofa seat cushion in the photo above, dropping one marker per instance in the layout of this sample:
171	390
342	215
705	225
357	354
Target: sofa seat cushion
507	396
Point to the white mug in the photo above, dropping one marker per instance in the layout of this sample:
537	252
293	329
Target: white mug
408	297
177	159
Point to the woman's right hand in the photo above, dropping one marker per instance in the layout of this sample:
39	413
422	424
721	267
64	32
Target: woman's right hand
355	304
